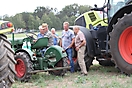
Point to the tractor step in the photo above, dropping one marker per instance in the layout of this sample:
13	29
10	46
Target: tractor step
52	69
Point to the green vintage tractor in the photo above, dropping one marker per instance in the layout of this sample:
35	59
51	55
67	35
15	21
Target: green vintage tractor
7	62
109	37
30	60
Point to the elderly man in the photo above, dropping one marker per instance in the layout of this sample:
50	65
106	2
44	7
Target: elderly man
67	43
80	44
55	36
44	32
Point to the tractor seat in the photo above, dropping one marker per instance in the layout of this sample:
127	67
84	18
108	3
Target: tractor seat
40	43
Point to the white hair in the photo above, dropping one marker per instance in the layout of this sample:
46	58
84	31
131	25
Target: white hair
53	29
40	27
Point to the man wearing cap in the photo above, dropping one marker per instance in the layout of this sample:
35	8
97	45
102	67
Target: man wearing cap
44	32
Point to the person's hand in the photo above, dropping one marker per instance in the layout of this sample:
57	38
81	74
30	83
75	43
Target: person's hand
77	48
34	40
63	50
54	35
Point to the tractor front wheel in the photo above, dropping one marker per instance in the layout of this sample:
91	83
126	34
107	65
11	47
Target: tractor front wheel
121	43
23	66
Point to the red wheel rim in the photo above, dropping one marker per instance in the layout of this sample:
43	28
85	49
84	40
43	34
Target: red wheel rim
20	68
125	45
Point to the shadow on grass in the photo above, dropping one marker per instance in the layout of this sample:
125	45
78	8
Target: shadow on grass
103	69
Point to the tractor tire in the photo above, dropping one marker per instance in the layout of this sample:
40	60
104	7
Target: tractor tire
7	63
121	45
23	67
61	63
88	61
106	63
76	66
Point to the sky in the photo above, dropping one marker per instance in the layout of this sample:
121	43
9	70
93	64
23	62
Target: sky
11	7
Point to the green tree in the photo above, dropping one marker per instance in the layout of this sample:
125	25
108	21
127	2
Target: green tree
56	23
18	21
40	11
70	20
37	22
84	8
31	22
46	19
69	10
25	16
7	18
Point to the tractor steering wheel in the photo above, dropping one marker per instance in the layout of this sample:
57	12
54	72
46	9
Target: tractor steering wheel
31	36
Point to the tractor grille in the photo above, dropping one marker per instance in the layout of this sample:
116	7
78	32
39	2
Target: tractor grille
92	16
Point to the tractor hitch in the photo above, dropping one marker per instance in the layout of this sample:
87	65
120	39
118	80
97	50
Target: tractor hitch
51	69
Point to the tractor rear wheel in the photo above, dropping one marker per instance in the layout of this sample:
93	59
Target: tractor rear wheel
23	67
7	63
61	63
88	61
121	43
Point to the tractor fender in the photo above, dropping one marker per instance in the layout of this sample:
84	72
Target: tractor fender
119	14
55	51
89	41
28	51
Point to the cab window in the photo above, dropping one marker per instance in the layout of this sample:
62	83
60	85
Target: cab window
80	21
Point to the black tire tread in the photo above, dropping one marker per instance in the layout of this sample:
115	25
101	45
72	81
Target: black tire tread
60	72
118	28
7	63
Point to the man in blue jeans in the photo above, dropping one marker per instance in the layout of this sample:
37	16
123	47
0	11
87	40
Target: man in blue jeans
68	39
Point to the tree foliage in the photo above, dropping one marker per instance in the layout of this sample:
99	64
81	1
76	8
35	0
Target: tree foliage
49	15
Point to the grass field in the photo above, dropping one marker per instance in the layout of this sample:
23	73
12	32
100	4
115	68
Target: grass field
98	77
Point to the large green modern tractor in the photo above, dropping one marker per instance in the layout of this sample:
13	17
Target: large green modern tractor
7	62
31	60
109	37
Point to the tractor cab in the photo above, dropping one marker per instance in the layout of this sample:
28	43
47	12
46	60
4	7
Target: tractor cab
115	5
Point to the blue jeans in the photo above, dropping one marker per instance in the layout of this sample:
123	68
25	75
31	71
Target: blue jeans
43	51
69	54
